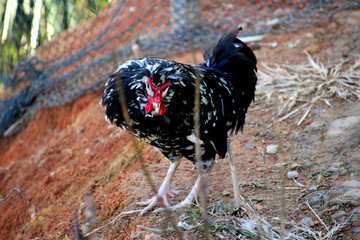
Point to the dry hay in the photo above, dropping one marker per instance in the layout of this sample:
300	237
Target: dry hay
300	87
227	222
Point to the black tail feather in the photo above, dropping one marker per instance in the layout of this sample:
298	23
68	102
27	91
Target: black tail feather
237	61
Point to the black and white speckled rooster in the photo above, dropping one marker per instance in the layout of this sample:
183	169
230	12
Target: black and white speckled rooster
159	95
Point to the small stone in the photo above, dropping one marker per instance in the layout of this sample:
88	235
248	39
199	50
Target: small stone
309	35
313	188
278	165
342	126
351	184
250	146
183	225
307	164
225	193
352	193
292	174
317	199
272	149
339	215
248	224
87	151
132	9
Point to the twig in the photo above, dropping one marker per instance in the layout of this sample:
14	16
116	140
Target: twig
153	230
23	198
112	221
297	183
203	186
337	227
304	116
317	216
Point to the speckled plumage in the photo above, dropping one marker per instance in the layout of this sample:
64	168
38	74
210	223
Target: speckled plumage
228	80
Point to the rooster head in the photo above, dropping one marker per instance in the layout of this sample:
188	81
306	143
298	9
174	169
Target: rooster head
155	99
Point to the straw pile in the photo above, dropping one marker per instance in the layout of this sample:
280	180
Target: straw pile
300	87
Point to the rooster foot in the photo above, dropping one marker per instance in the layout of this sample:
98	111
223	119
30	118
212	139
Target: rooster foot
160	197
188	200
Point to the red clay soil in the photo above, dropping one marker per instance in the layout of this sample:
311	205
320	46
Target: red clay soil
69	158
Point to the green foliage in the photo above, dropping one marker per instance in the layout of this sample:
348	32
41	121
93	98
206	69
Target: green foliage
27	24
194	215
219	228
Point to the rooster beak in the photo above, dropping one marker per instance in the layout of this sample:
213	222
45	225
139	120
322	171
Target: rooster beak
156	108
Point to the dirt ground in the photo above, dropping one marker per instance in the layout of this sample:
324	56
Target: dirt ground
70	159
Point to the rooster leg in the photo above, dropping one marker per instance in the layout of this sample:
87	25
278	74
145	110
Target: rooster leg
190	198
164	191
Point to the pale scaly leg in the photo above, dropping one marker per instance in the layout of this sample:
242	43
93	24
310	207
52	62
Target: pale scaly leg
164	190
190	198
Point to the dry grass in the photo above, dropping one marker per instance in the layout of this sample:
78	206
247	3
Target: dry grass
301	87
227	222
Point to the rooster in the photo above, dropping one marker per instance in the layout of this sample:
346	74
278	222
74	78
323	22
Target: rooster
158	95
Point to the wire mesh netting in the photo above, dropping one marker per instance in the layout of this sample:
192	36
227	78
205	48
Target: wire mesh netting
54	51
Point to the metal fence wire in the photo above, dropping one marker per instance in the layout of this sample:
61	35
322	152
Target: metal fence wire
53	51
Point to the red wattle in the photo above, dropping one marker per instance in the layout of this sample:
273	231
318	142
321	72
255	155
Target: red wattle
149	107
162	109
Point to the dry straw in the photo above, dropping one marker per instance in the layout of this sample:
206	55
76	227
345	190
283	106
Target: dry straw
302	86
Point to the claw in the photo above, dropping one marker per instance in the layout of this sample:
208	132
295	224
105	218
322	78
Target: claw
183	204
164	191
157	199
147	202
187	202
